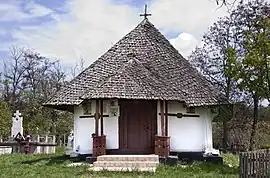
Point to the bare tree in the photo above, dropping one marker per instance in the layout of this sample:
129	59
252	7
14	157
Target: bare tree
78	68
13	76
28	79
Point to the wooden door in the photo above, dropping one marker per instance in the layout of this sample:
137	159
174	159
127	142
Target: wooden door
137	126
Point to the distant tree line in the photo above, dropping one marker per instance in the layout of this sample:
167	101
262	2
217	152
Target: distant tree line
27	80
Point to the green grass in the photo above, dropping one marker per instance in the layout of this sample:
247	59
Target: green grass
55	166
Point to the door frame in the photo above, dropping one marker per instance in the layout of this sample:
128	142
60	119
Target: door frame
123	129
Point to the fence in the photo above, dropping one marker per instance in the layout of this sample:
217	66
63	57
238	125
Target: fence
39	144
255	164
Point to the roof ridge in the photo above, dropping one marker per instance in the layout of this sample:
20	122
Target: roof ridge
123	68
101	56
102	82
127	73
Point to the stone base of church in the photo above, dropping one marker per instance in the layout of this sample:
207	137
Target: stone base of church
90	159
169	161
173	159
190	157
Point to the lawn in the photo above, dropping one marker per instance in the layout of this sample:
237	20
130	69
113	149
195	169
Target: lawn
54	166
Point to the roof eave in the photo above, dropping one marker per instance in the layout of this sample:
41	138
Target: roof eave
61	107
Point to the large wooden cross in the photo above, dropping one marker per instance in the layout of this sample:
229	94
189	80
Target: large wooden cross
145	12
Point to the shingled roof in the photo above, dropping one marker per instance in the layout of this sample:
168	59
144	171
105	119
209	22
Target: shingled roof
142	65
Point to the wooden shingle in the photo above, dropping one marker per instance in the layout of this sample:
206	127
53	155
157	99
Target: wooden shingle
142	65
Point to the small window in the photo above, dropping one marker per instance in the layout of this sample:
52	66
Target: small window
87	108
113	103
190	109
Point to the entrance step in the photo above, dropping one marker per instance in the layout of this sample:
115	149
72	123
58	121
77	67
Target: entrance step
124	169
136	164
126	163
151	158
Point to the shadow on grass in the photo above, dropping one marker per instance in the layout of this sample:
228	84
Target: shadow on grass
214	168
51	160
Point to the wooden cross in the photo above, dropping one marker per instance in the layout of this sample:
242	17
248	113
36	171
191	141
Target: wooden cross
145	12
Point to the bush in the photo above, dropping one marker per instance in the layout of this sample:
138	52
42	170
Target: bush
5	120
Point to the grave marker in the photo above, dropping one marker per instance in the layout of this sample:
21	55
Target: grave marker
17	124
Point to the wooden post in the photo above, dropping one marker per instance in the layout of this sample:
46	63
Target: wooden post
97	118
166	118
162	118
162	143
99	142
101	117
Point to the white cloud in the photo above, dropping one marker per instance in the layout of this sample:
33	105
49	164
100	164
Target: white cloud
87	31
190	16
91	27
36	10
185	43
12	11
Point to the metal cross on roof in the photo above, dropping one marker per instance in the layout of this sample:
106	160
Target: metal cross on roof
145	12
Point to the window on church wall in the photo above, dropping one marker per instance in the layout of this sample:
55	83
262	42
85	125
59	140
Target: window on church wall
190	109
87	108
113	108
113	103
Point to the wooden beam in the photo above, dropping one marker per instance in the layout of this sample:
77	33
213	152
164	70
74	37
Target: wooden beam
180	115
101	117
97	118
93	116
166	118
162	118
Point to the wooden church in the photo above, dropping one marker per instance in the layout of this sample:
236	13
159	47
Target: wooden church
140	97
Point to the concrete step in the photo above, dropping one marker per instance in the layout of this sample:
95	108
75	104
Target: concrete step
129	158
126	163
124	169
134	164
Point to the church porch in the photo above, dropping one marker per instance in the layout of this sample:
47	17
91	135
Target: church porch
137	129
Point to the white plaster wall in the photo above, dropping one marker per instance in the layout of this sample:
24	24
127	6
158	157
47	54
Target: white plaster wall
84	127
209	134
188	134
111	130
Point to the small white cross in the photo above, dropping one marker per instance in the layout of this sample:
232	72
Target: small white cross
17	113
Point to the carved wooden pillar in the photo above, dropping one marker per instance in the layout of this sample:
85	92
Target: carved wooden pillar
97	115
162	118
166	118
101	118
99	141
162	143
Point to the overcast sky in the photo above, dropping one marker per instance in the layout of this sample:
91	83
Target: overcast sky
70	29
